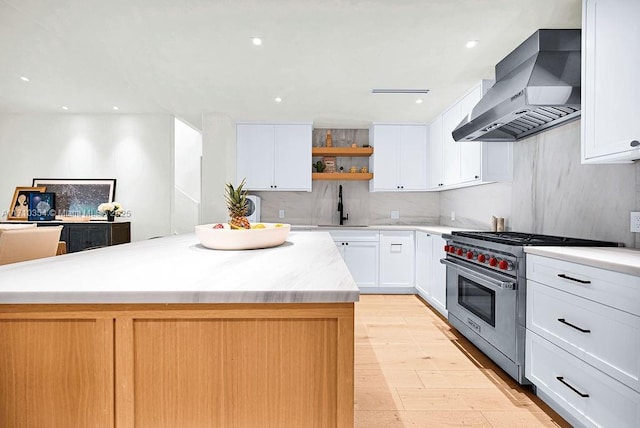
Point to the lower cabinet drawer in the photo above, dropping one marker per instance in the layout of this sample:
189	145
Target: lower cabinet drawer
590	396
604	337
615	289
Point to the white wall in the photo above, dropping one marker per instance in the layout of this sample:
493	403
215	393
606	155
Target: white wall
136	150
188	153
218	165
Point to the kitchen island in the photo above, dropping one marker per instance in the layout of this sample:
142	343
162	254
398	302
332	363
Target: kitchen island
165	332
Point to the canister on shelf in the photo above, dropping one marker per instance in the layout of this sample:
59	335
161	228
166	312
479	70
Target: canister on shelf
500	225
329	163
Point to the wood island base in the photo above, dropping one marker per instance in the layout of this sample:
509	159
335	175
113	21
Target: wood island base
176	365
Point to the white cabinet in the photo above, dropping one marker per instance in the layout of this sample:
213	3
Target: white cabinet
423	264
399	161
274	156
397	257
470	162
438	275
436	154
430	273
583	341
610	83
581	394
360	251
362	260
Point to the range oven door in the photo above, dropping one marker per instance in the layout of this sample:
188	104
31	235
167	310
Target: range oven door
484	301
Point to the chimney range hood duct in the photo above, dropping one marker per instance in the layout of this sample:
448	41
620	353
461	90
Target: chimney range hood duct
537	88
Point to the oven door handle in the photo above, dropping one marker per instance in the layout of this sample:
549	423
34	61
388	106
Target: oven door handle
503	285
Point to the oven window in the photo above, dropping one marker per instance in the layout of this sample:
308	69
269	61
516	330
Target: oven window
480	300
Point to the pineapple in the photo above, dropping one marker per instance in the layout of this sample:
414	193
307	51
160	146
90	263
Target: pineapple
237	206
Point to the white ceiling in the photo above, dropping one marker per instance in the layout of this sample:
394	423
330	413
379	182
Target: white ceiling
323	57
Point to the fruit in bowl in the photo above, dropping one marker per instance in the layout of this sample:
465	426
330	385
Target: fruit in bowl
226	238
239	234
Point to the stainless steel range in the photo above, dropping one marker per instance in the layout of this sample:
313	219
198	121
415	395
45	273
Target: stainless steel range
486	290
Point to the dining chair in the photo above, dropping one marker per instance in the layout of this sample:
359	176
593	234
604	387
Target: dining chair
21	244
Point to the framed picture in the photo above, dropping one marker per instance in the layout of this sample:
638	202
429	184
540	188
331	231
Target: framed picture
42	206
79	197
19	209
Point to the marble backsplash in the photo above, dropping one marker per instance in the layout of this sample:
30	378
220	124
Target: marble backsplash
553	193
364	208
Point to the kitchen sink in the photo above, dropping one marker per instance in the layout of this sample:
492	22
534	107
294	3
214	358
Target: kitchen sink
343	225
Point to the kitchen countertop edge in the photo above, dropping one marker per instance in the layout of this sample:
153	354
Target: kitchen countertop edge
434	229
618	259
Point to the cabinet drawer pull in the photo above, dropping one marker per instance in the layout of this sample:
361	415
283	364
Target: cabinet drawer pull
581	281
581	330
561	379
635	143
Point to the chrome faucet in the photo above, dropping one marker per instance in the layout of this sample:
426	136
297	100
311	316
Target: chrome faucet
341	207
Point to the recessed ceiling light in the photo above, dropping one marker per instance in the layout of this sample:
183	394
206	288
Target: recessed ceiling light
278	99
116	108
471	44
65	108
257	41
24	79
419	101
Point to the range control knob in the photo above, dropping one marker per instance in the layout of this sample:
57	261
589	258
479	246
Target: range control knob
459	251
470	255
505	265
482	258
446	248
493	261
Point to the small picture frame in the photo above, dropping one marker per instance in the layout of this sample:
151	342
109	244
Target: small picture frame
42	206
19	209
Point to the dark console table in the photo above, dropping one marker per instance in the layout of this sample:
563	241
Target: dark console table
87	235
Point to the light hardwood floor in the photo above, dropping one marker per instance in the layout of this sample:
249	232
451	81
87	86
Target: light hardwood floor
413	370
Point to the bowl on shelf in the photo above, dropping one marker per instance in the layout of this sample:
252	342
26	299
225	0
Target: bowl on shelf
272	235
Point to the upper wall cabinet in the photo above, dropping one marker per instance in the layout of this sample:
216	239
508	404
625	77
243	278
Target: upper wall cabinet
458	164
610	81
399	161
274	156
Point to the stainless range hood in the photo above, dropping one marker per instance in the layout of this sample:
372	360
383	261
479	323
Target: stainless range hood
537	88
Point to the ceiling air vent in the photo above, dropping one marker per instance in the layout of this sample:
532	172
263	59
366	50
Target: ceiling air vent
400	91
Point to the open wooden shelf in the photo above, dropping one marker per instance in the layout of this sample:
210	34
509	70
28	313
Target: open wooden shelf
341	176
342	151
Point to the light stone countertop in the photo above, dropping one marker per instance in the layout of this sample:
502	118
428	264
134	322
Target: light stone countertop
307	268
435	229
621	259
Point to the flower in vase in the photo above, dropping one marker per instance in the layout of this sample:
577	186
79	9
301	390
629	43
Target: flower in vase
111	209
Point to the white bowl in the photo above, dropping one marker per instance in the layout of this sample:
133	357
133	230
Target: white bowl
242	239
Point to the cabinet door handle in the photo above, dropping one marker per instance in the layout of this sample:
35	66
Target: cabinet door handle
635	143
564	382
581	281
581	330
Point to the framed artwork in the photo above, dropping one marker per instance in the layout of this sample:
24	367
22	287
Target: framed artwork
42	206
19	209
79	197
